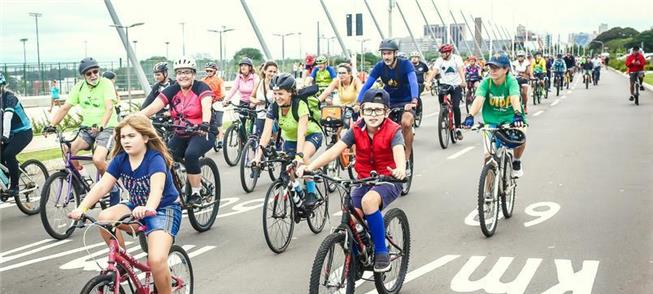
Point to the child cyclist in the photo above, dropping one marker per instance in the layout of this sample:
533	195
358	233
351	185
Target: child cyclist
379	147
141	159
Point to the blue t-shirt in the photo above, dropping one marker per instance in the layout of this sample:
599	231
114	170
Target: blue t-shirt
19	121
395	80
137	182
54	92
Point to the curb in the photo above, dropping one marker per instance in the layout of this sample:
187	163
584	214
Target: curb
647	86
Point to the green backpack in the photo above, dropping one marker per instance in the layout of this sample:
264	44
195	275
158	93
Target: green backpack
308	96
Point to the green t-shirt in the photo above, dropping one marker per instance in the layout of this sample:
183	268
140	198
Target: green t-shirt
289	125
497	107
93	100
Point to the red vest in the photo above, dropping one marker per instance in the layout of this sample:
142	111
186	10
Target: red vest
376	153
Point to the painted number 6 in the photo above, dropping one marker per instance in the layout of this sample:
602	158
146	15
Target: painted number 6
542	214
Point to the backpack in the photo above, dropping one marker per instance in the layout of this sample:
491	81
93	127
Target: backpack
307	95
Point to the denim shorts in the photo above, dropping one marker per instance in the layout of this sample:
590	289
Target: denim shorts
388	191
290	147
167	219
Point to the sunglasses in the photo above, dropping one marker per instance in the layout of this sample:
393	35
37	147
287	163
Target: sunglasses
91	72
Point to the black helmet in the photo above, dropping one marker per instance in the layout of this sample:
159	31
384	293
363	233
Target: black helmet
388	44
512	138
247	61
161	67
86	64
283	81
109	75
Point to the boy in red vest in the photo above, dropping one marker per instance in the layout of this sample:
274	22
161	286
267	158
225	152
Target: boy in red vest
379	147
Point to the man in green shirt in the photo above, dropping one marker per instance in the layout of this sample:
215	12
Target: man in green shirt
95	96
499	97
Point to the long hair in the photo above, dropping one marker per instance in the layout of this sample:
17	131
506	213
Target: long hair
143	126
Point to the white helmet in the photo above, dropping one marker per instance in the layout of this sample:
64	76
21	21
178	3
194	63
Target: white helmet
185	62
415	54
521	53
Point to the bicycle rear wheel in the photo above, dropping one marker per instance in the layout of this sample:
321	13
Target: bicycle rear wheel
418	113
320	212
636	93
249	175
102	283
398	241
333	270
202	218
278	213
488	202
332	169
181	270
33	175
58	198
409	177
232	144
443	128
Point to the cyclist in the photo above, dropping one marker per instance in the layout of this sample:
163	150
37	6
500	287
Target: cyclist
559	68
15	133
309	64
596	70
244	83
190	104
322	74
570	63
302	136
498	97
141	160
217	86
263	95
162	81
473	73
95	96
635	63
380	148
521	69
587	67
539	67
347	86
549	63
400	81
450	66
421	70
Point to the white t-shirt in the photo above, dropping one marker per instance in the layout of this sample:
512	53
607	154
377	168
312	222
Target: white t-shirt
260	96
449	70
518	68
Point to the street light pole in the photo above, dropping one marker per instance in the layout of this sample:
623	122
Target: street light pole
283	47
220	32
38	49
129	80
24	66
183	39
362	54
167	43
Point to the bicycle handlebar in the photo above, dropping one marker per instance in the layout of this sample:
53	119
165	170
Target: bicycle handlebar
373	179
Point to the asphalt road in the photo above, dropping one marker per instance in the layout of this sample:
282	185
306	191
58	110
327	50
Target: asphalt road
582	221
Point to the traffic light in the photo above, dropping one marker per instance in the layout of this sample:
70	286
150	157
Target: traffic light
349	20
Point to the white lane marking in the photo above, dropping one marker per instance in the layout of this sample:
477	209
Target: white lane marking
53	256
429	267
542	215
581	281
2	254
538	113
491	282
430	115
555	102
200	251
5	259
563	97
461	152
569	92
6	205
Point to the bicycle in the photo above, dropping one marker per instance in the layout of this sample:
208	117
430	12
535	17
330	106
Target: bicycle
351	243
587	77
395	115
333	119
64	190
492	189
419	113
470	91
557	82
33	175
250	173
567	79
283	208
538	91
636	84
237	133
124	268
596	73
446	126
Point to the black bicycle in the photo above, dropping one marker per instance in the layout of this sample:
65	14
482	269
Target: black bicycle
395	115
333	119
348	252
237	133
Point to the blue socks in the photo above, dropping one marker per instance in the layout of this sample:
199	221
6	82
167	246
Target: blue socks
377	230
310	187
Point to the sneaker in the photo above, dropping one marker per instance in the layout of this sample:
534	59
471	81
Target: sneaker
641	88
311	200
517	170
219	144
631	98
382	263
459	135
255	172
194	200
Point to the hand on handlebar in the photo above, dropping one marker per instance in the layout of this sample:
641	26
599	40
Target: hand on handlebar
518	120
77	213
469	122
400	174
141	212
50	129
410	106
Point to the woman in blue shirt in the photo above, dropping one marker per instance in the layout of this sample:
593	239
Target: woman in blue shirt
141	160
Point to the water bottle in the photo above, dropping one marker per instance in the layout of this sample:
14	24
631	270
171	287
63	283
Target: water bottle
297	196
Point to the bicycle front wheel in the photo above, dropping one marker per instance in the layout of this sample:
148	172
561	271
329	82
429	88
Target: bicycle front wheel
398	243
58	198
443	128
103	283
32	178
320	213
508	189
202	218
488	202
334	270
409	177
232	144
249	175
181	270
278	213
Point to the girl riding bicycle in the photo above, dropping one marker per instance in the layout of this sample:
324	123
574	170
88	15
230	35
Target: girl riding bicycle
141	160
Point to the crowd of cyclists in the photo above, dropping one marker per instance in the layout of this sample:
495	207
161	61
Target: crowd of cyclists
379	124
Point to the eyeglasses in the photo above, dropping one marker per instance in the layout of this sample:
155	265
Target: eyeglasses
91	72
373	111
184	72
342	72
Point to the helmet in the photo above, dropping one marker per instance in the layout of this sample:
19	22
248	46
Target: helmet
283	81
377	96
500	60
86	64
212	65
310	59
247	61
109	75
185	62
521	53
446	48
402	54
160	67
321	59
538	53
471	57
388	44
512	138
415	54
3	81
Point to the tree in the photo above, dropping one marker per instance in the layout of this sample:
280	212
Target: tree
612	34
252	53
645	37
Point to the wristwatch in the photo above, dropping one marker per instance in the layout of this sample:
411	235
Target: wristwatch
300	155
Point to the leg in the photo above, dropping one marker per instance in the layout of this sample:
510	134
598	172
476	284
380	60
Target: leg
197	147
456	96
112	214
407	121
18	142
159	243
83	142
313	142
519	151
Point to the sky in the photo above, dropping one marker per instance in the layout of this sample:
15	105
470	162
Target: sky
69	27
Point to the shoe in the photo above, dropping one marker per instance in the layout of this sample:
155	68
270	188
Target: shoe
255	172
631	98
459	135
382	263
641	88
517	170
219	144
311	201
409	169
194	200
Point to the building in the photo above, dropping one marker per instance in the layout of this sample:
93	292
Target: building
478	29
406	44
603	27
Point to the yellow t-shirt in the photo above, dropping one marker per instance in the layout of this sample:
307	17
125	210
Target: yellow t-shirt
348	94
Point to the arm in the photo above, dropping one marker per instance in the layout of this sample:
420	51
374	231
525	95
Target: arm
461	73
150	98
477	105
371	79
6	125
108	111
301	132
153	108
414	89
98	191
61	113
207	101
399	155
265	138
328	156
233	89
332	86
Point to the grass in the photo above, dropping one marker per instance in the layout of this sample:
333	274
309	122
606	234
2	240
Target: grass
43	155
648	79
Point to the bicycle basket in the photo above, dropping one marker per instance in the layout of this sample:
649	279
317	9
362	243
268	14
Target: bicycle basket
332	116
511	138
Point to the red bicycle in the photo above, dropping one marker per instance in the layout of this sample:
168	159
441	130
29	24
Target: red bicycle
446	127
122	267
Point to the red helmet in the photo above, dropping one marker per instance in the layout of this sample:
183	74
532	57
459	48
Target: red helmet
471	57
446	48
310	59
